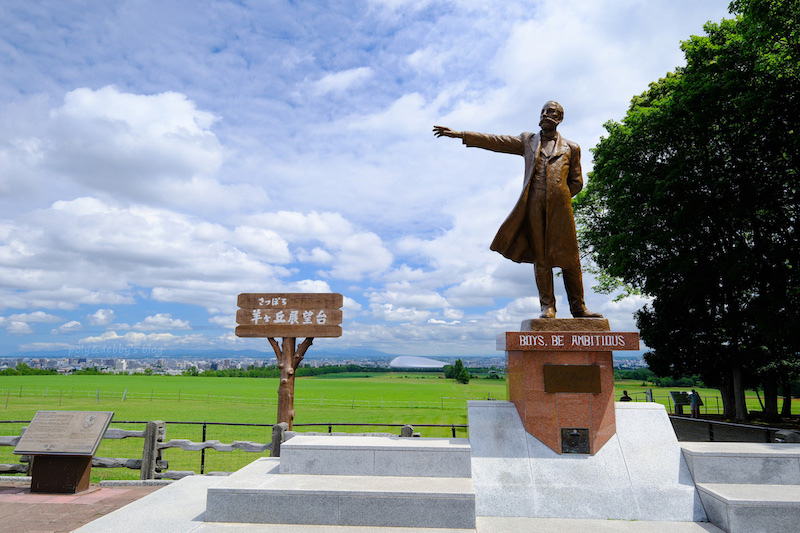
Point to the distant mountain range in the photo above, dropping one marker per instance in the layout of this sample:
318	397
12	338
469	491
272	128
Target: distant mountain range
134	353
348	353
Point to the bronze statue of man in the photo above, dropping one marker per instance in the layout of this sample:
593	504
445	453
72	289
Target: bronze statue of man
541	227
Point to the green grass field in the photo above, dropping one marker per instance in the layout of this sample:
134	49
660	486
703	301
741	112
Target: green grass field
379	398
372	398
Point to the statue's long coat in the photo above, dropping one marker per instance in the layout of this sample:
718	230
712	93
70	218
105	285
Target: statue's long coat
564	180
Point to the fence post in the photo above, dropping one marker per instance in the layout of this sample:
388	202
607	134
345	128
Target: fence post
278	433
150	449
203	452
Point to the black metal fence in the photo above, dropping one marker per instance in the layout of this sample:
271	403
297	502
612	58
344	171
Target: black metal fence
705	430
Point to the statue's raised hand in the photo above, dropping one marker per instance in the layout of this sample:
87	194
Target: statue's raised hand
443	131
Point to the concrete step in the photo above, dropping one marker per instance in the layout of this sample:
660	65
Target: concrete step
743	462
748	508
259	494
376	456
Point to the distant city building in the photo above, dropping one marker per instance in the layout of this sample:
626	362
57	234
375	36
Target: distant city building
413	361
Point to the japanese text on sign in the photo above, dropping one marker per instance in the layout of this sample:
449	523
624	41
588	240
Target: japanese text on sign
265	316
289	315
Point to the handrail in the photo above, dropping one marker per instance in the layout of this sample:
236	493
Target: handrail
769	432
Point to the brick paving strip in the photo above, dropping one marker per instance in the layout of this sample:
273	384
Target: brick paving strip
24	512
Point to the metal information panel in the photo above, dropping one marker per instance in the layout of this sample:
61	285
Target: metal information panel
572	378
64	433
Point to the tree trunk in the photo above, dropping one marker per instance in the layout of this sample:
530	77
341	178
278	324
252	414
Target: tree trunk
289	358
771	398
728	403
286	386
738	394
786	410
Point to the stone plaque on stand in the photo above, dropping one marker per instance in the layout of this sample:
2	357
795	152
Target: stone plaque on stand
560	375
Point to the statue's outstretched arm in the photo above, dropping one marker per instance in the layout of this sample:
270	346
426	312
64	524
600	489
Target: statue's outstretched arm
444	131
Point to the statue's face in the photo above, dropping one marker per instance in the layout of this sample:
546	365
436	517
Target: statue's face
551	116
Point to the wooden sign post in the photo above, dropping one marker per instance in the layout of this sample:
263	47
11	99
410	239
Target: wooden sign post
289	315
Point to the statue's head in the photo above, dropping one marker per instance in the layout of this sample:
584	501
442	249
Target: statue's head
552	115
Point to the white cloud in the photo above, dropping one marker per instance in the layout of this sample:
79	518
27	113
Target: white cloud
156	148
226	321
310	285
316	255
404	294
109	140
430	59
37	316
101	317
351	253
43	346
263	243
394	313
67	327
136	338
15	327
337	82
161	321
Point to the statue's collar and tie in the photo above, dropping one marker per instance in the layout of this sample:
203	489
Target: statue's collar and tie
548	142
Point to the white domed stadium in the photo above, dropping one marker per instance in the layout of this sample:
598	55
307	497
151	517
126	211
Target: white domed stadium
413	361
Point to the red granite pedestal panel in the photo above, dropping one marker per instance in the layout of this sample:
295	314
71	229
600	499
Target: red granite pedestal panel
570	342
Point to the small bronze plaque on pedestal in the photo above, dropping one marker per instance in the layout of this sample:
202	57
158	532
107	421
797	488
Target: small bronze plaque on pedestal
574	440
572	378
62	444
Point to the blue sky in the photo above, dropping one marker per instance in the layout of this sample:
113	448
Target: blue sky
159	158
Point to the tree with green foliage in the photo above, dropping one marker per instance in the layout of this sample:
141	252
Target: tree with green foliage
457	372
694	202
23	369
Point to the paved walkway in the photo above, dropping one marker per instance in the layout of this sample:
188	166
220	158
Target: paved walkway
24	512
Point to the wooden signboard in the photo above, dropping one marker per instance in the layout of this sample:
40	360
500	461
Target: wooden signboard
289	315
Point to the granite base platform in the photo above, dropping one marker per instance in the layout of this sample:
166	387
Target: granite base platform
640	473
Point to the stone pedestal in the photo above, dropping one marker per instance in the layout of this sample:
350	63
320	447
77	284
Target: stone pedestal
560	377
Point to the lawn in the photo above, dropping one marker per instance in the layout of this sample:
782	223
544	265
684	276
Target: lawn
365	398
378	398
